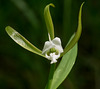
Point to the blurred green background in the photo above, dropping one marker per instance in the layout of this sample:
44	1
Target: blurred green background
21	69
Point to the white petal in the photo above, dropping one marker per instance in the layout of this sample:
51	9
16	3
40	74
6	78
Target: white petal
48	45
57	43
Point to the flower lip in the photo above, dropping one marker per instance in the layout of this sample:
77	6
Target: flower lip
52	57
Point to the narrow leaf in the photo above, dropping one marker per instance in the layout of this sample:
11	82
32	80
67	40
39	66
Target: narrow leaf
77	34
64	67
48	20
19	39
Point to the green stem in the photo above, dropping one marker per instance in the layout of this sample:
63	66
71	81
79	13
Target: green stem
52	69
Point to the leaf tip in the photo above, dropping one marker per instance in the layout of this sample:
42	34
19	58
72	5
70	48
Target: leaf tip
82	4
51	4
7	28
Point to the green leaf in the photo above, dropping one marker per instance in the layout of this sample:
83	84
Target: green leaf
48	20
19	39
64	67
77	34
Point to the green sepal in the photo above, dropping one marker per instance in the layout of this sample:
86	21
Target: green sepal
48	20
19	39
77	34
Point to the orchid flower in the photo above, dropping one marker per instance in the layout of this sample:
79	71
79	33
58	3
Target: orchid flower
52	49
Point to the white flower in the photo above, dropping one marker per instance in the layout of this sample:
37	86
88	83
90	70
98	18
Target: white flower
52	49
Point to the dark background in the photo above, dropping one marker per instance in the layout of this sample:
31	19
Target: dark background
21	69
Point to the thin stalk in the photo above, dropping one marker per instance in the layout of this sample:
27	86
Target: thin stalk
52	69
